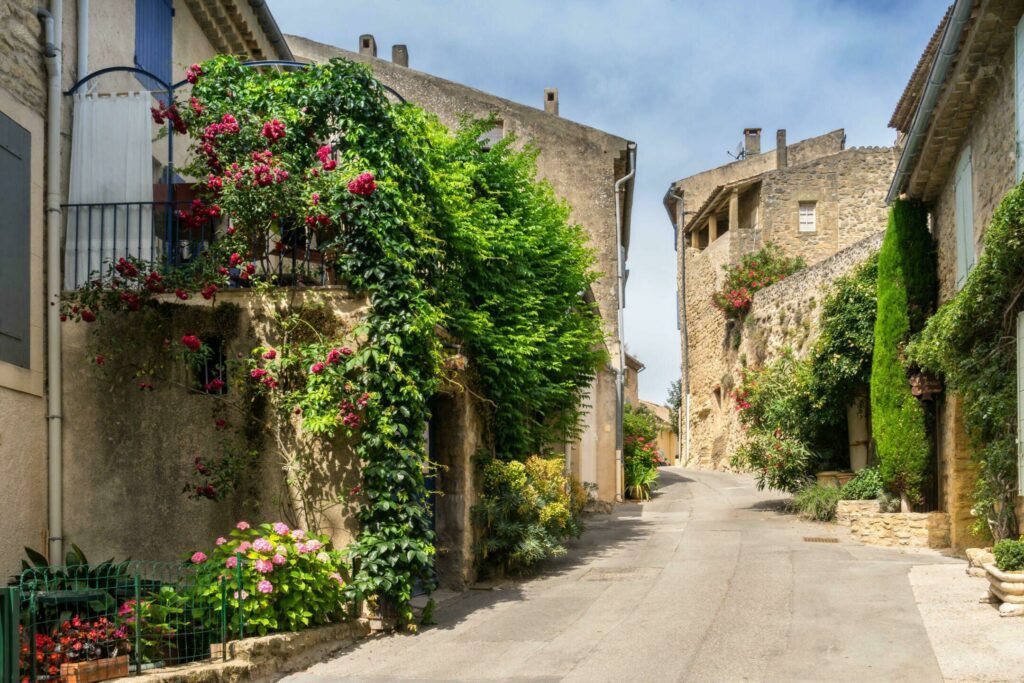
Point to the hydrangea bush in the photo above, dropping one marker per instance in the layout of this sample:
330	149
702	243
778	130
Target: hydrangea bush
289	579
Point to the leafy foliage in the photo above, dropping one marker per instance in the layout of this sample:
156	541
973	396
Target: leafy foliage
867	485
906	292
527	512
1009	554
755	271
817	502
971	342
779	461
640	455
675	403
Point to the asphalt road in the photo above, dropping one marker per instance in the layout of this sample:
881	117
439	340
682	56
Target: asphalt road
707	582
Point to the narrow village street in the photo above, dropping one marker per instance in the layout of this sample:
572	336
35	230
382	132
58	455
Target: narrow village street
708	581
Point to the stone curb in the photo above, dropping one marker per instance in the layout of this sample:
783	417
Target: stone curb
263	658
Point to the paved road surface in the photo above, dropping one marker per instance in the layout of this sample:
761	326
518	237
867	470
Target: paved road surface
708	582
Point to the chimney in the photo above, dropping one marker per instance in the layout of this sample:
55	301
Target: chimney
400	55
367	45
551	100
751	141
781	160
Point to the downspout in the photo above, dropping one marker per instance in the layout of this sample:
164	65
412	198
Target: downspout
55	498
620	191
675	206
936	77
82	63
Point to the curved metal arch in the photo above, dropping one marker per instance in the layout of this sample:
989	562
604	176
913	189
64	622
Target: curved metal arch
114	69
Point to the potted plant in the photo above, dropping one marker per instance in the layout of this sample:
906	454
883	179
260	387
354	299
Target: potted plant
91	650
1006	576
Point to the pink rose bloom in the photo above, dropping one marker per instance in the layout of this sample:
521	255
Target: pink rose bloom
244	546
231	562
270	354
262	545
298	534
334	356
264	566
242	526
280	528
278	560
221	540
198	557
317	368
265	587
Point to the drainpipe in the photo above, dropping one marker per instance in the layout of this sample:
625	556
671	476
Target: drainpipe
675	206
53	24
936	77
620	192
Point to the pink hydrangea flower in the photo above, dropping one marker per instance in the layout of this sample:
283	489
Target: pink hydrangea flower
264	566
278	560
198	557
242	526
281	550
280	528
231	562
298	534
337	577
262	545
265	587
244	546
221	540
323	557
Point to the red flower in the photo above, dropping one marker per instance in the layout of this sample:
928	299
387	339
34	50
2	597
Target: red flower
257	373
235	259
317	368
270	354
100	359
273	130
88	315
197	107
334	356
354	491
181	294
193	73
192	342
145	385
214	386
208	291
363	184
221	423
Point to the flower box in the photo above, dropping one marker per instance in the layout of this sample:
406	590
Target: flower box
1006	588
95	670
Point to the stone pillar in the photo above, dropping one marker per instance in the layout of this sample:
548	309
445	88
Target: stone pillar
551	100
857	425
712	228
734	210
781	152
367	45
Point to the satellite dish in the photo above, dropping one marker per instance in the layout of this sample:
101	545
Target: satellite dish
739	152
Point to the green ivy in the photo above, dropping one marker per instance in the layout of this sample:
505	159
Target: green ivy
971	341
906	292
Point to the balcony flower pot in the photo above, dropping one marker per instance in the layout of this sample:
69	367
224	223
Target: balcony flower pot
94	670
1007	588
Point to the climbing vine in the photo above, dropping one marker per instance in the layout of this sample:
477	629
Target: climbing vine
971	341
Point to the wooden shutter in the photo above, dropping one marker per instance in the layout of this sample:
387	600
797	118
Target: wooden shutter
15	236
153	40
1018	91
964	199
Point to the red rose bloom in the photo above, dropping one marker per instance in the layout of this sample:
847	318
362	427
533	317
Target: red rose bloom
181	294
192	342
88	315
363	184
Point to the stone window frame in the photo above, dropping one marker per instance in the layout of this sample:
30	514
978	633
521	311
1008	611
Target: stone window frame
800	205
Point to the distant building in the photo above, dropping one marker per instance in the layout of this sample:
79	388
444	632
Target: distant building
668	440
584	166
813	199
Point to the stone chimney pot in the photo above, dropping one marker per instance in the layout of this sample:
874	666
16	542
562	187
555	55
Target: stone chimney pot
367	45
751	141
781	152
400	55
551	100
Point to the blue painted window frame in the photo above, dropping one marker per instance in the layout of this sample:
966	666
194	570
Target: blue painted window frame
154	20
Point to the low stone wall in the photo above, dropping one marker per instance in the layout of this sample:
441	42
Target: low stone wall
897	529
266	658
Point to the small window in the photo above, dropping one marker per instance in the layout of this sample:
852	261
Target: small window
808	217
211	376
493	136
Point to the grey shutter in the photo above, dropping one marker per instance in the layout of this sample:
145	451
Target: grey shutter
15	236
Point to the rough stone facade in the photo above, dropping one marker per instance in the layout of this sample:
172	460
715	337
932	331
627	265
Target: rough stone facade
893	529
582	164
848	187
975	109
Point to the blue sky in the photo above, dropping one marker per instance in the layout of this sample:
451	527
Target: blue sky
680	77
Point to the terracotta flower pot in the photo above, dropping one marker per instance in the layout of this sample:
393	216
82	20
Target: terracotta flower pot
95	670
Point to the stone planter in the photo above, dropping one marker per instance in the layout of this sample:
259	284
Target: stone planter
834	478
1008	589
893	529
95	670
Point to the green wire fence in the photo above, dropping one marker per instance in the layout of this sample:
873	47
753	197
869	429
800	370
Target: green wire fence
93	622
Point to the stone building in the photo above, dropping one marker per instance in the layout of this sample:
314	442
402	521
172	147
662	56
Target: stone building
585	166
813	199
632	385
668	440
961	122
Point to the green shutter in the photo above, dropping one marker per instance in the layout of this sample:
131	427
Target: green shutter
964	200
15	236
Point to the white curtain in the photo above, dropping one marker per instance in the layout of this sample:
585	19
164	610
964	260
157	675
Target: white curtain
112	166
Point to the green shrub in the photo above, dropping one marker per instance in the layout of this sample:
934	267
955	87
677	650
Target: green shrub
778	461
1009	555
817	502
754	271
639	451
867	485
906	286
971	342
527	511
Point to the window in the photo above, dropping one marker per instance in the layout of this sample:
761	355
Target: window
963	191
492	136
15	232
211	375
1018	92
808	217
153	32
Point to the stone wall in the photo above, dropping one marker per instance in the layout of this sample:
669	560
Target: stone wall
993	154
893	529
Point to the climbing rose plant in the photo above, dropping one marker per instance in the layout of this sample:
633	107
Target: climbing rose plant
754	272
